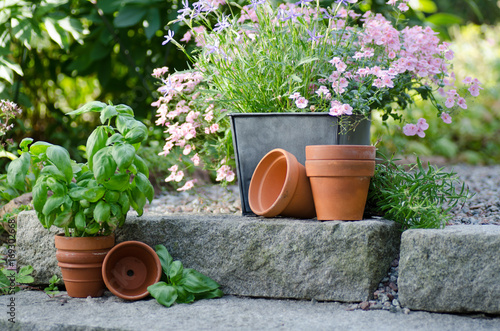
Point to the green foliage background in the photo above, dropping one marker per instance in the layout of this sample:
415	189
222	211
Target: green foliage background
55	55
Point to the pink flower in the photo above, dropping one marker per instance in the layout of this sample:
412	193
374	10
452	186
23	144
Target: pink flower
410	129
188	185
449	55
422	124
461	103
214	128
467	80
301	102
225	172
450	102
187	37
474	90
187	149
294	96
403	7
196	159
446	117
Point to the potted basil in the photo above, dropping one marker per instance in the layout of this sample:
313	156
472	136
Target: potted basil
88	201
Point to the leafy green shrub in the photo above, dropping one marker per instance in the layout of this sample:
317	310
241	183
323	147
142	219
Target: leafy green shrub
415	198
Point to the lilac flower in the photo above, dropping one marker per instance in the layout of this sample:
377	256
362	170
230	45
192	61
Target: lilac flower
302	2
222	24
168	37
255	3
313	35
183	12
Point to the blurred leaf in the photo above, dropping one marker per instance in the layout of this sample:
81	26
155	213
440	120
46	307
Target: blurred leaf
129	16
444	19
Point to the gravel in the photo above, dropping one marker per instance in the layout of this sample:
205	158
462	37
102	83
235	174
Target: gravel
482	208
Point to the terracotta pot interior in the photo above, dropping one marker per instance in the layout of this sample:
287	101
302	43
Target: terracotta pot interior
272	183
129	270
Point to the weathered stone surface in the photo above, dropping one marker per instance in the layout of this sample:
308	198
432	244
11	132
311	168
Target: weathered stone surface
279	258
456	269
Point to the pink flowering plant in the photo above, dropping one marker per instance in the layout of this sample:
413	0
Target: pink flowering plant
304	58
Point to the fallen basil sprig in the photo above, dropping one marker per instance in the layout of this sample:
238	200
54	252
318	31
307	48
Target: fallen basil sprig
179	284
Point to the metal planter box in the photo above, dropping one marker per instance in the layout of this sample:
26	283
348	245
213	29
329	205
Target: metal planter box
255	134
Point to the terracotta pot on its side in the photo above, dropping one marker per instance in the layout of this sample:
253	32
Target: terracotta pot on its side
340	179
279	186
80	260
129	268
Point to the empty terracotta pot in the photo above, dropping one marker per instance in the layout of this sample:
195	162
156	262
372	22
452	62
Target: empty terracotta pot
80	260
340	179
129	268
279	186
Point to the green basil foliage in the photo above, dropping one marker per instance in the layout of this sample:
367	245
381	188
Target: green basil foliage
93	198
179	284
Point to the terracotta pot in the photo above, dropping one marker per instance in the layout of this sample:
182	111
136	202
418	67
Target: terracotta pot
279	186
80	260
340	179
129	268
340	152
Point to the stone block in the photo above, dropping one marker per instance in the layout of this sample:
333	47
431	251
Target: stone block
456	269
250	256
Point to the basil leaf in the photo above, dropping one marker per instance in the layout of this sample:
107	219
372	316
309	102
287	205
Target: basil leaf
17	170
104	165
39	193
124	201
63	218
145	186
137	134
183	296
59	156
95	142
163	293
123	154
137	200
94	106
39	147
51	204
175	272
196	282
108	113
165	258
124	110
102	212
118	182
80	221
141	165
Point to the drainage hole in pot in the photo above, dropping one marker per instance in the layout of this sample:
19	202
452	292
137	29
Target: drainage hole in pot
130	273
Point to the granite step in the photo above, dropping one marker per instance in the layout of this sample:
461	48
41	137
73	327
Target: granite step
251	256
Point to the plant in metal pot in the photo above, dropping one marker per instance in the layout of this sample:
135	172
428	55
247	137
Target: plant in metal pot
339	60
89	199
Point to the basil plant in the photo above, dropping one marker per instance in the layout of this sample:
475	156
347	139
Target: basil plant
93	198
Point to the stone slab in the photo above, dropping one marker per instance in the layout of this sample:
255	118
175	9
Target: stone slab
250	256
35	311
456	269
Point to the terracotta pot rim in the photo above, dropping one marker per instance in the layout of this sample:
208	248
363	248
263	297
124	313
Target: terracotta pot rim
94	243
340	168
340	152
257	184
115	250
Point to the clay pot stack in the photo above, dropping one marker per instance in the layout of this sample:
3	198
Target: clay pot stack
340	179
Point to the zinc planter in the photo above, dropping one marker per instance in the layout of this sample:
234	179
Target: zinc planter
129	268
279	186
255	134
340	179
80	260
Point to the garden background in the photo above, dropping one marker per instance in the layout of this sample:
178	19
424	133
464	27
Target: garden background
56	55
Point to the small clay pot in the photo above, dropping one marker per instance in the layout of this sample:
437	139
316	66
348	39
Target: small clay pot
279	186
80	260
340	152
340	178
129	268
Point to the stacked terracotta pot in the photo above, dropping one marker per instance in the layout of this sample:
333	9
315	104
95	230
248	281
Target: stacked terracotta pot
340	179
